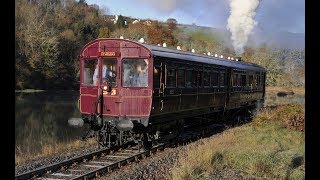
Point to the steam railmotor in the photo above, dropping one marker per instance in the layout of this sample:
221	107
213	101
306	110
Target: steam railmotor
132	91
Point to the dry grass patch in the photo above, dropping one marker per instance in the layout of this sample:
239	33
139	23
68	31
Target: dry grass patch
52	149
290	116
263	148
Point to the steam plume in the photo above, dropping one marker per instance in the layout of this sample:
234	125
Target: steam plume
241	22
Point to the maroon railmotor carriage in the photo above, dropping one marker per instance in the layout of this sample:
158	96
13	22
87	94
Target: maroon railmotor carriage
131	91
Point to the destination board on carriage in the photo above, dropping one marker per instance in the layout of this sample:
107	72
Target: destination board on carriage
109	53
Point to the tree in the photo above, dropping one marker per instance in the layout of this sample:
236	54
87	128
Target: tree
172	24
103	32
158	34
264	57
171	21
82	2
121	22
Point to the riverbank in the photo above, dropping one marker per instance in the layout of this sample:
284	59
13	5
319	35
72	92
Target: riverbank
50	150
29	90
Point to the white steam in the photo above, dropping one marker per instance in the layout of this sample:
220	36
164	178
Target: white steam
241	22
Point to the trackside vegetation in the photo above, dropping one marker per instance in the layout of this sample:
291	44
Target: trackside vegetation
52	149
270	146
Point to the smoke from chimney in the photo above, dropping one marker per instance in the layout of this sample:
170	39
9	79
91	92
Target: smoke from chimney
241	22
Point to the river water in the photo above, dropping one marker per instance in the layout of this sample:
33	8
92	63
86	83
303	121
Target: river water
41	118
273	99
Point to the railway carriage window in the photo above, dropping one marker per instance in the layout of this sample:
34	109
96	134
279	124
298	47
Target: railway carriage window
90	72
239	80
199	79
194	78
222	79
171	77
235	80
255	81
206	78
135	72
109	71
189	78
181	77
156	77
251	81
214	78
243	80
262	80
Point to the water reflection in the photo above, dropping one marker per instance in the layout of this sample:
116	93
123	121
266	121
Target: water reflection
42	119
273	99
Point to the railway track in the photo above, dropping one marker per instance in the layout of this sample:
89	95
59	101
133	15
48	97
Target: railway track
101	162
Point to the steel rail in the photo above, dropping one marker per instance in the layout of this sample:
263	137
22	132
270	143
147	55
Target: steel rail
189	136
56	166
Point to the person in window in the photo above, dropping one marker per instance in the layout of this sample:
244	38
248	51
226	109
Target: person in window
96	75
107	74
126	74
142	80
133	77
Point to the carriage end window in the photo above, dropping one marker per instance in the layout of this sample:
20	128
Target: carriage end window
109	71
135	73
90	72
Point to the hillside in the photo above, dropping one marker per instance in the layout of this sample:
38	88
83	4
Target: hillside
283	40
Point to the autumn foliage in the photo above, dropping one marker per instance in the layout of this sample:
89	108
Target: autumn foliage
51	33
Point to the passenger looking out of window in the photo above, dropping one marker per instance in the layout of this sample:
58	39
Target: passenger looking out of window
135	73
90	72
107	74
142	75
96	75
109	71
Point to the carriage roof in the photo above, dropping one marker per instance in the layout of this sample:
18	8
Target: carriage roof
195	57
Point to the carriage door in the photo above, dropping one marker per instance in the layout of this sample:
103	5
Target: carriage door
162	85
90	76
158	87
228	82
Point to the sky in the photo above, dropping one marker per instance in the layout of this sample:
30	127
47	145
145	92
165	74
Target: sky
271	15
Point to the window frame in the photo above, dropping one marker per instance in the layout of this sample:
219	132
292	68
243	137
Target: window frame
214	70
207	72
183	69
159	75
148	73
116	69
83	71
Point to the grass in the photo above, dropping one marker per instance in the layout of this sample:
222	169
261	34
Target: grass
262	148
29	90
52	149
